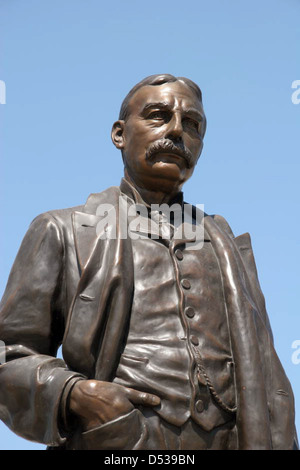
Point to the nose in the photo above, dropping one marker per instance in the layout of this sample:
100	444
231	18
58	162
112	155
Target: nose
175	129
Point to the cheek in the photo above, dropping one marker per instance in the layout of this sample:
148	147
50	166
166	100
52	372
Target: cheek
143	136
200	146
194	145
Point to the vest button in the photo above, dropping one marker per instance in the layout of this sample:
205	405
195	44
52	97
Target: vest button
199	405
186	284
190	312
179	254
194	340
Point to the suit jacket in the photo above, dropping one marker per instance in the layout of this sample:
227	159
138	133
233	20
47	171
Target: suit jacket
71	286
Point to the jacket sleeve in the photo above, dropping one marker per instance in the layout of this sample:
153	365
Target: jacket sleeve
32	379
281	399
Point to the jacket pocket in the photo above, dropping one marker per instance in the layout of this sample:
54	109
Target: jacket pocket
113	435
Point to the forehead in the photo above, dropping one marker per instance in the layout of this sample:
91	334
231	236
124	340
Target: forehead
175	94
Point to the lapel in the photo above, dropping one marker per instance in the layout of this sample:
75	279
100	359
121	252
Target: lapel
85	235
85	223
99	312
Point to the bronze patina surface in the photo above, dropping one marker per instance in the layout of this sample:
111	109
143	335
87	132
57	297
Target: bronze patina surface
166	340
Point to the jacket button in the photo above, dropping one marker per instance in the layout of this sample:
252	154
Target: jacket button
199	405
186	284
179	254
194	340
190	312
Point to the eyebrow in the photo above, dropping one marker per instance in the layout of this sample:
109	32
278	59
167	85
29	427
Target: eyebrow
193	112
157	104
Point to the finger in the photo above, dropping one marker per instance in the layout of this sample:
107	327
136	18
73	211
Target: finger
142	398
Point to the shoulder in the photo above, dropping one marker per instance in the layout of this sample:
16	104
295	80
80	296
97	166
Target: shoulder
54	220
221	222
63	217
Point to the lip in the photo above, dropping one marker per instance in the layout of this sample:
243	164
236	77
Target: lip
169	157
170	153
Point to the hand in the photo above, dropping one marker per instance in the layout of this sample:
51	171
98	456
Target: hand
95	402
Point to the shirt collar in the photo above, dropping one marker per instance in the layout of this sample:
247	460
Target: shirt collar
130	191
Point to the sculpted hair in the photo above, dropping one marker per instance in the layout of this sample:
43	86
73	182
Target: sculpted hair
155	80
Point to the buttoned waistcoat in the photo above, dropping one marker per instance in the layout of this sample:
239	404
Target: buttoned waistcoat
71	286
178	344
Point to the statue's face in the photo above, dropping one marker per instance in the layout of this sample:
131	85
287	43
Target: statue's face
162	138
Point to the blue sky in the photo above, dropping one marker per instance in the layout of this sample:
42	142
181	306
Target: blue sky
67	65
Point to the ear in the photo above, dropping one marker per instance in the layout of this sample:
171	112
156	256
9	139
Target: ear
117	134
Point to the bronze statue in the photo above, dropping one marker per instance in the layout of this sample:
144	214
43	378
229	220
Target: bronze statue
166	345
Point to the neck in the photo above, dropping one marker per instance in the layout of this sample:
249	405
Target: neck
153	196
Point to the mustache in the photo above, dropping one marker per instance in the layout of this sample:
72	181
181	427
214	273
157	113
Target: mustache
167	146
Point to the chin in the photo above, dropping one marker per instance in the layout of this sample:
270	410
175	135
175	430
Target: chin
166	179
169	171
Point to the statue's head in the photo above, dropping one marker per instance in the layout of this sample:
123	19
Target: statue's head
160	131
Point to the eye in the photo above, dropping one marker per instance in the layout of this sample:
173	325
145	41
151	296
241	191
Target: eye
159	116
191	123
